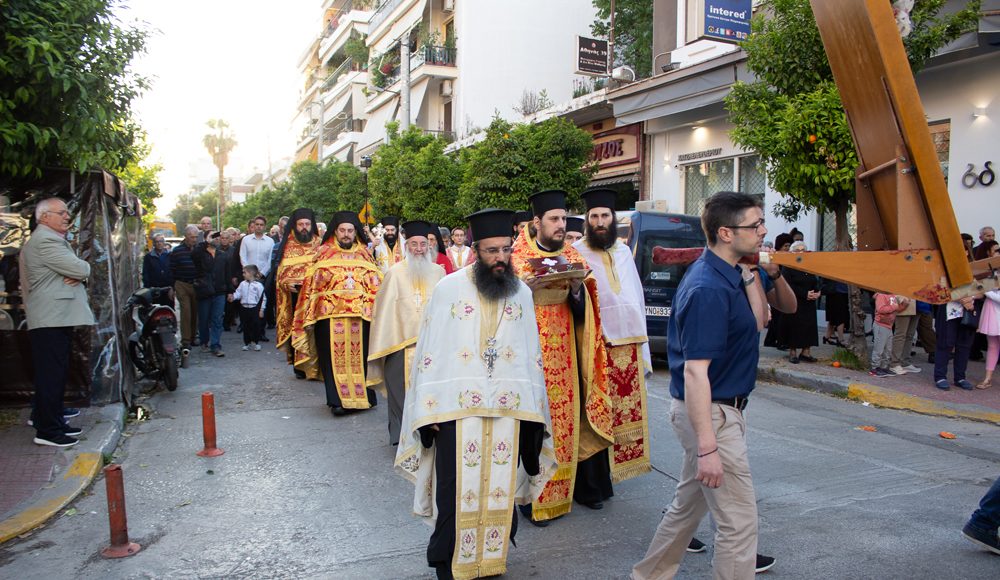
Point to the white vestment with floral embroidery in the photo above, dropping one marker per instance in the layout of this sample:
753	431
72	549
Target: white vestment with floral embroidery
451	380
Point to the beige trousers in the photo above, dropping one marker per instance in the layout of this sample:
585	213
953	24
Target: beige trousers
733	504
188	310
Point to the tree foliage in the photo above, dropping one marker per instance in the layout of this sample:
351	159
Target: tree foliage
517	160
792	115
633	32
412	177
143	180
66	87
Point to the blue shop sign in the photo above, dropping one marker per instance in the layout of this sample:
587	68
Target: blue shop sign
727	20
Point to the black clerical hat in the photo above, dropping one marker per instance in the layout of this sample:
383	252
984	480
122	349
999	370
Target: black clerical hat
544	201
345	217
599	197
418	228
521	216
574	224
490	223
390	220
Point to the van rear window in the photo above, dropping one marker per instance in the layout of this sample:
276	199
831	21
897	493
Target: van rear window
663	276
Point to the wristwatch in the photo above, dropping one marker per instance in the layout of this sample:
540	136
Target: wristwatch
750	280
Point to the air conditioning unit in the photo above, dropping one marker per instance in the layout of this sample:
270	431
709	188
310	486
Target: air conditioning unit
448	6
447	87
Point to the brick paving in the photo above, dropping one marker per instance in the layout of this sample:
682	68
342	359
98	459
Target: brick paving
24	467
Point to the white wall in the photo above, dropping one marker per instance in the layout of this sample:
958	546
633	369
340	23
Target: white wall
505	47
953	93
667	174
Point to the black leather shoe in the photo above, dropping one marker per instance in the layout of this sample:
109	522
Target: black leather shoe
300	374
338	411
597	505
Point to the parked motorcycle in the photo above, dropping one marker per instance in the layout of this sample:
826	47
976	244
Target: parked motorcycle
153	346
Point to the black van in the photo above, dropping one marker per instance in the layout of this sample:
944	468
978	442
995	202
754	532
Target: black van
642	231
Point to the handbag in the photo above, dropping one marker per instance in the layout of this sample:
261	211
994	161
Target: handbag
970	318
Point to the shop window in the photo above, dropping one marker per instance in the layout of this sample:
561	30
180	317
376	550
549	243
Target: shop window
702	180
941	137
828	230
752	178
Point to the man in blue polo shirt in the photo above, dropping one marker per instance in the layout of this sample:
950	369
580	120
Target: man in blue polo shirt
713	348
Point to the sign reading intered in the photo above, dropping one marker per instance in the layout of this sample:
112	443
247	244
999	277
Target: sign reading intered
591	56
722	20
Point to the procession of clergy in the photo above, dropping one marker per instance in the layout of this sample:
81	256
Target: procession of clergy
518	379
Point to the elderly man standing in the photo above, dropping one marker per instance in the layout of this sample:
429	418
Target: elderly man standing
156	265
623	322
399	307
476	423
292	258
331	325
183	270
204	228
56	302
573	358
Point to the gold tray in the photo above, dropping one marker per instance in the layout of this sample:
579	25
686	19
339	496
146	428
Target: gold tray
567	275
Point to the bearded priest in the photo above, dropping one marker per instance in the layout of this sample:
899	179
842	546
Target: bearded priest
569	325
330	328
389	251
623	322
293	257
477	405
399	307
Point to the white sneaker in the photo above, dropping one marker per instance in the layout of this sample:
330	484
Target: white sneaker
256	347
245	347
899	370
911	369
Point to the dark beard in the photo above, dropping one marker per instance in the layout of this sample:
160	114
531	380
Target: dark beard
492	286
343	247
391	240
303	237
551	245
602	241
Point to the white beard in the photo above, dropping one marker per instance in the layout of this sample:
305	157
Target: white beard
421	268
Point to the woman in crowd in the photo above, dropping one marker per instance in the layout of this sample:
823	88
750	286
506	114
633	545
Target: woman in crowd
781	244
838	312
211	286
438	252
799	331
989	323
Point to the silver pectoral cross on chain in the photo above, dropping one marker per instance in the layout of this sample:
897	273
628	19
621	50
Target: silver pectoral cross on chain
490	356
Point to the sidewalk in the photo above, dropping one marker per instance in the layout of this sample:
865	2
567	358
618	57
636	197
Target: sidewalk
913	391
37	481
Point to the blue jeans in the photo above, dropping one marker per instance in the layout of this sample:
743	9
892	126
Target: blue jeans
210	312
987	518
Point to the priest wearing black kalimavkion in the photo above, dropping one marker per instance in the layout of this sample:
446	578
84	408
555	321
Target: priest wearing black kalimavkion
476	410
389	251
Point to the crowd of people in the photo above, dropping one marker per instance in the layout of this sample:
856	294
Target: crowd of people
954	333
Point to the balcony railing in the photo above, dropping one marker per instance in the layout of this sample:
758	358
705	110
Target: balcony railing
331	79
339	10
333	131
382	12
434	55
448	136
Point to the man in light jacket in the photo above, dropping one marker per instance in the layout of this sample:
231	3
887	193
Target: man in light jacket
56	302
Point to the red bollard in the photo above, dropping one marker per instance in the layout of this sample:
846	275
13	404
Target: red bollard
120	546
208	425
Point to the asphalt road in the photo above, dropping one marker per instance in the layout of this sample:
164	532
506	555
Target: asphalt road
302	494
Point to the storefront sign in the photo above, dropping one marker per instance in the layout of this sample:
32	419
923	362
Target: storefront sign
684	157
617	147
591	56
721	20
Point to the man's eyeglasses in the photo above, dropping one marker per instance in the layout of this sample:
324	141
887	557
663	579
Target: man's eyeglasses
64	212
497	251
754	226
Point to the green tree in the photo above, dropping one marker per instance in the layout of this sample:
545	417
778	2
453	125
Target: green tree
792	115
328	188
219	144
517	160
143	180
192	206
412	177
633	32
66	88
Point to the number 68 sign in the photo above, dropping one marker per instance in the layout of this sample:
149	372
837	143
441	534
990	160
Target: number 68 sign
971	177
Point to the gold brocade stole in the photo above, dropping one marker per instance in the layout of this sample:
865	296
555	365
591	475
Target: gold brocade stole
284	309
486	453
348	361
627	383
609	269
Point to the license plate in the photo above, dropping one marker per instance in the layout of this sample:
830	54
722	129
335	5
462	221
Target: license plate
657	311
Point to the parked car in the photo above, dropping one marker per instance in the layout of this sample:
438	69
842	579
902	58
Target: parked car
643	231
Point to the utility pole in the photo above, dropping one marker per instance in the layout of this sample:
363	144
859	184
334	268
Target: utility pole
404	72
611	41
322	131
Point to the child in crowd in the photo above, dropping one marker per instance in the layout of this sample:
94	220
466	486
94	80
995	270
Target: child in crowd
250	294
886	307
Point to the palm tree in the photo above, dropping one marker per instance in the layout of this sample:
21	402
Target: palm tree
219	144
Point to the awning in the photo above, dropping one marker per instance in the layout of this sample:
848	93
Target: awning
415	16
690	92
336	106
417	100
632	178
375	127
307	152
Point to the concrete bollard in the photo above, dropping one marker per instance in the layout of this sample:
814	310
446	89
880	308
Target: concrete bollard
208	426
120	546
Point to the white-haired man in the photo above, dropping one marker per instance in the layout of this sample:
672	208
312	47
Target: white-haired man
399	307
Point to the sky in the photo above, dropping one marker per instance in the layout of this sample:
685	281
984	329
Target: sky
231	59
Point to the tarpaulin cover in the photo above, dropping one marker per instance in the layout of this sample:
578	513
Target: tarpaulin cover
107	232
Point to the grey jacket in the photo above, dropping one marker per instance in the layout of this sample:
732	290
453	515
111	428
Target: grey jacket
45	259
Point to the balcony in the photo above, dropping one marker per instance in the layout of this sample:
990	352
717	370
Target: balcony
382	12
435	56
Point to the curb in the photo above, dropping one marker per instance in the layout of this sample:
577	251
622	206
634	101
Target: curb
85	462
880	396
